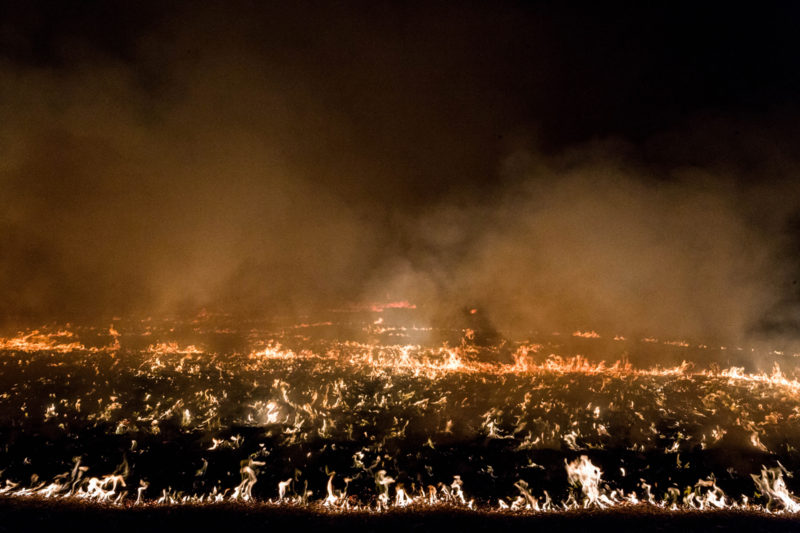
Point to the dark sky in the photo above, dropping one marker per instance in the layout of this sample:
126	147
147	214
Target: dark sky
553	162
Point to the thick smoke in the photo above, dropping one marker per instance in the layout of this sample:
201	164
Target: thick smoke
260	162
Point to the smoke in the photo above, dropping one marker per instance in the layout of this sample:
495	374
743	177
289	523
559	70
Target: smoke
590	240
117	200
260	161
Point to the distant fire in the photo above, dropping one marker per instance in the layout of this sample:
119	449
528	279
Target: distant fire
392	305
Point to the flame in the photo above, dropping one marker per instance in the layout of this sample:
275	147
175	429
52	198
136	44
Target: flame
38	341
172	348
292	413
586	475
378	308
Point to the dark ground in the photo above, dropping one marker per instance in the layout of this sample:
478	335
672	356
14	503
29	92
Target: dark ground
37	515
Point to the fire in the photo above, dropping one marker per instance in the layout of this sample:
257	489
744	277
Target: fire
586	475
38	341
586	334
172	348
290	403
392	305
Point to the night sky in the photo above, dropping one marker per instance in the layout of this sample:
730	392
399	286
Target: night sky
556	164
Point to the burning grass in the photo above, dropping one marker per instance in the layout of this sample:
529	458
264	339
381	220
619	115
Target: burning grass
295	421
40	514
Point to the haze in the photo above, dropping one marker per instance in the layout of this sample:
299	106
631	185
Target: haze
555	167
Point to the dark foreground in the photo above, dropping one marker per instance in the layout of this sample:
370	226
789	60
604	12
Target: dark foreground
18	514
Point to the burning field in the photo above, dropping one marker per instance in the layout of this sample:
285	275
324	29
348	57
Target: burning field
397	266
368	413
